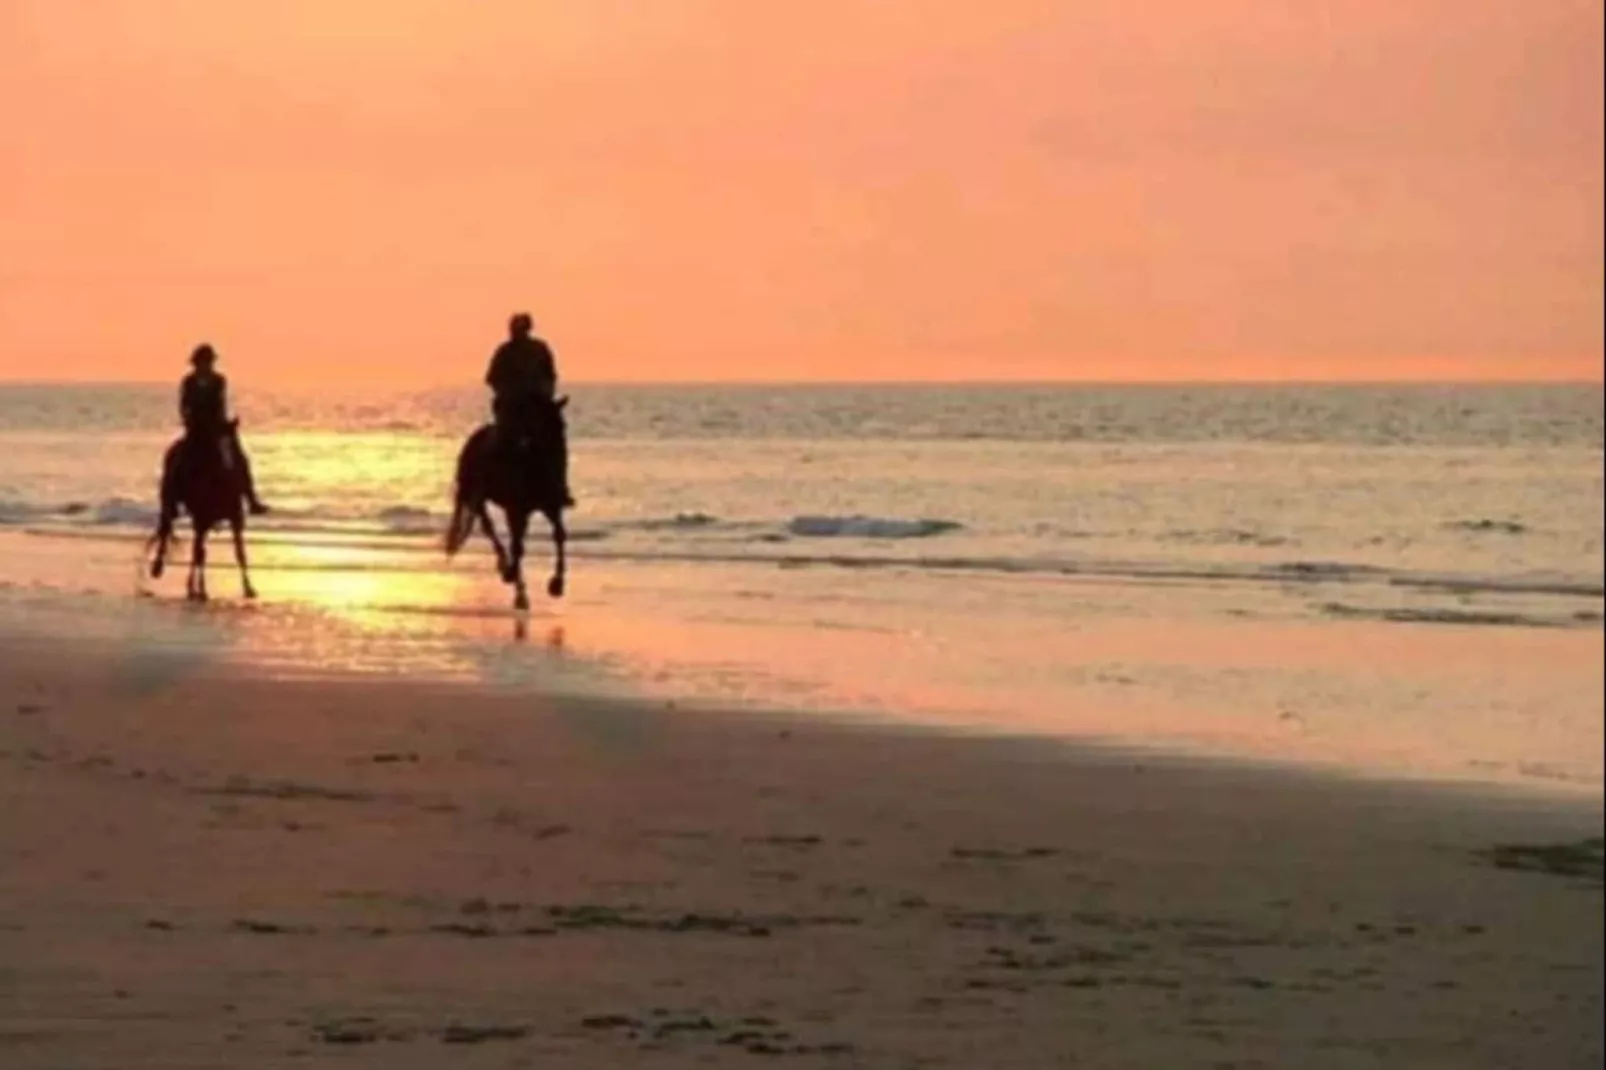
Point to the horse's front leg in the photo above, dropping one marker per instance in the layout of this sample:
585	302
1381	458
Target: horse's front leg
237	526
560	559
518	525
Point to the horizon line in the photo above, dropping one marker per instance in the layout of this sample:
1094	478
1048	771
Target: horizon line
789	383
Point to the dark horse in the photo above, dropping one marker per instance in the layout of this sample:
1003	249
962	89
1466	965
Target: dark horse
210	492
522	477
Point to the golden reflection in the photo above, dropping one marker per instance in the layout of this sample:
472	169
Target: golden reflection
319	466
358	583
337	603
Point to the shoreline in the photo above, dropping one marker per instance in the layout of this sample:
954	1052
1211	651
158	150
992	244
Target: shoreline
213	869
1198	673
160	667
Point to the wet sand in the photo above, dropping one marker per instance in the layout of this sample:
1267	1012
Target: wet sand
205	868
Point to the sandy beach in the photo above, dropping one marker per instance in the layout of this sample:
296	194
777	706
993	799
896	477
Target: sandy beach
214	869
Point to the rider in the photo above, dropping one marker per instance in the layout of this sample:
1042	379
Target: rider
203	406
523	373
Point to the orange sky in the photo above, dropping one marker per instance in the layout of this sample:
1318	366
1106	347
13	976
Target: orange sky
708	189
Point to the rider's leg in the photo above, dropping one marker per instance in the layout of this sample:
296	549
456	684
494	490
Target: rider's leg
501	422
248	483
561	454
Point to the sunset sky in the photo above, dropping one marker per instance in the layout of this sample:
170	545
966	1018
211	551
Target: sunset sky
837	189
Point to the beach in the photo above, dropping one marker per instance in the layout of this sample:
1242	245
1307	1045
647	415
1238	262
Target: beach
220	869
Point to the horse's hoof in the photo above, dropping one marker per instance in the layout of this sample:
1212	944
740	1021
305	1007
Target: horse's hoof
554	587
521	601
157	568
250	593
510	574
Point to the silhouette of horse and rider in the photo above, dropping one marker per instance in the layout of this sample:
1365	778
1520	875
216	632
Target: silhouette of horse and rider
519	461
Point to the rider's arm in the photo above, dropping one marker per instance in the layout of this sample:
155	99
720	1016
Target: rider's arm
503	371
549	365
186	399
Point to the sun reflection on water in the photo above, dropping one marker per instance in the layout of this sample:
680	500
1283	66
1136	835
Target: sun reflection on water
335	608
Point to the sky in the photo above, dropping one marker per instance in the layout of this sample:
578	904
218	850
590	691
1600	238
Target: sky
363	190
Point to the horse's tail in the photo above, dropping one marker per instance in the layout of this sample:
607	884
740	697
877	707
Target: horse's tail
461	525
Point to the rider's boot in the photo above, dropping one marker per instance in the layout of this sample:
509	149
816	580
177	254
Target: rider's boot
253	504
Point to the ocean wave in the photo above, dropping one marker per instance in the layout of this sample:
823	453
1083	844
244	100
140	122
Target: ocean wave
678	522
1505	600
1224	537
408	520
1322	570
403	512
1462	617
21	512
1540	584
1312	574
121	511
1486	526
693	537
868	527
111	512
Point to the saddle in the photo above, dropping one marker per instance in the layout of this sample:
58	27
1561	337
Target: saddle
194	446
531	425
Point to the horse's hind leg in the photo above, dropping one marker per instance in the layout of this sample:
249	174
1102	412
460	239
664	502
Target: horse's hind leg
163	536
560	562
237	526
164	530
197	583
504	566
518	525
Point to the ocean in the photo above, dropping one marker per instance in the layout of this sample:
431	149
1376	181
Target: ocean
1382	577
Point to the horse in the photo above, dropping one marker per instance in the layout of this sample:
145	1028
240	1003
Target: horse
521	477
210	492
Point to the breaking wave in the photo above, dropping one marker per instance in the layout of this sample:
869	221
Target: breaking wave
404	533
868	527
